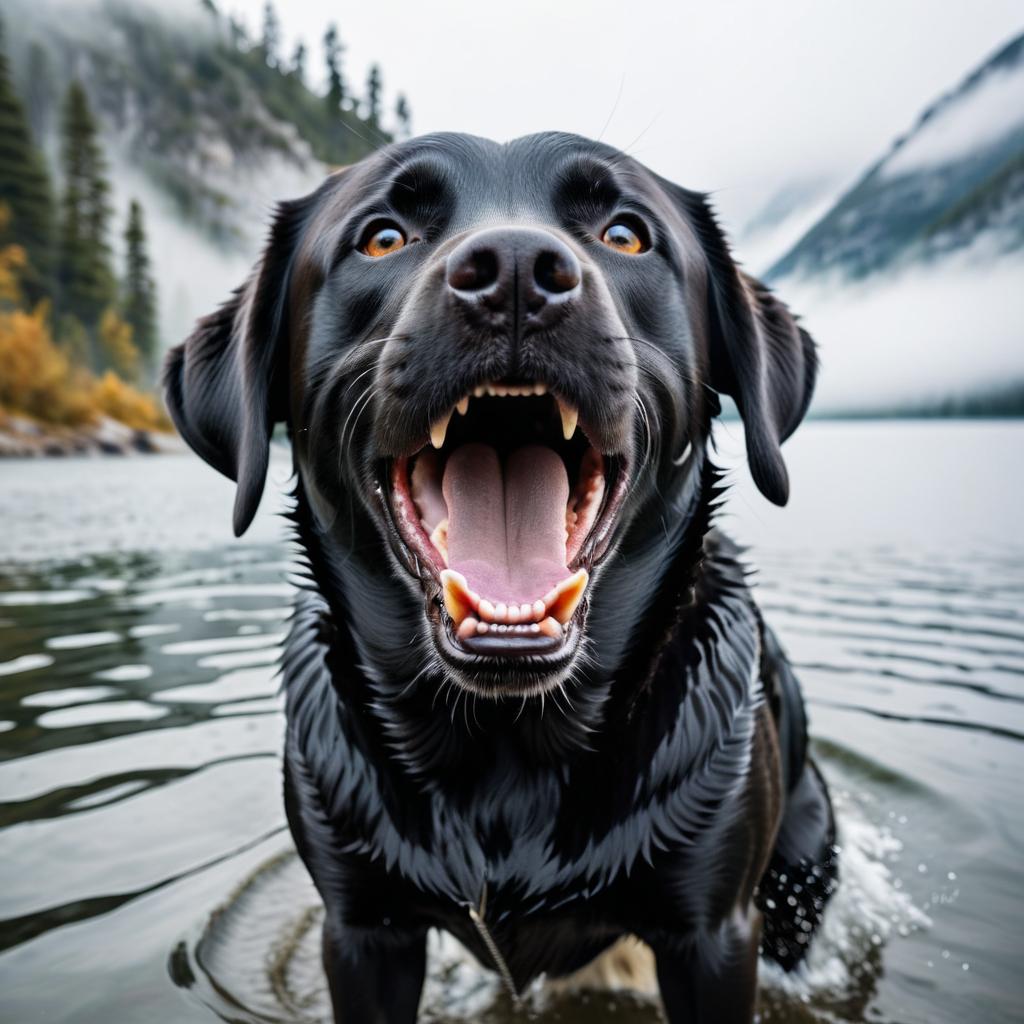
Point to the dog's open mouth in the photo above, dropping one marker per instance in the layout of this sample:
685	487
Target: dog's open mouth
506	513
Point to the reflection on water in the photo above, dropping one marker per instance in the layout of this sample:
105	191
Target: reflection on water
144	860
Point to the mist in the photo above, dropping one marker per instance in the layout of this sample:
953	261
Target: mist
915	338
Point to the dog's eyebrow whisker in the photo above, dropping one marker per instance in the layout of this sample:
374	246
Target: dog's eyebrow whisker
381	140
615	106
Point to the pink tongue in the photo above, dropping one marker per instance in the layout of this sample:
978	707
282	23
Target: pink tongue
506	531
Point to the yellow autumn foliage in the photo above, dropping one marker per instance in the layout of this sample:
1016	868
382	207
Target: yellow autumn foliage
36	377
118	347
12	260
112	397
38	380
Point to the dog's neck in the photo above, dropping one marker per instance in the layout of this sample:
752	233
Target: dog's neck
645	592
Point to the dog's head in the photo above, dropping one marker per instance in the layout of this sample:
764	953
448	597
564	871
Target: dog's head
492	360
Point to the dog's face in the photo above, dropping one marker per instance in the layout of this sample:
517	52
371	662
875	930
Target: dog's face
500	356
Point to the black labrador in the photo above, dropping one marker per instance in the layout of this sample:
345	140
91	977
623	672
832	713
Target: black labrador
530	699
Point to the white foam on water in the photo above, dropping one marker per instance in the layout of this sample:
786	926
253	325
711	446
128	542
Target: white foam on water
867	910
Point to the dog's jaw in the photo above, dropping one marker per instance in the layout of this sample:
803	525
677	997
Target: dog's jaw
502	545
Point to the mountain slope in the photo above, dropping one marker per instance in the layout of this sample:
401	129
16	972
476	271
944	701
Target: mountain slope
956	176
197	125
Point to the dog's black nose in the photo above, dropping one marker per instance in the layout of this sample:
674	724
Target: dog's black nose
498	267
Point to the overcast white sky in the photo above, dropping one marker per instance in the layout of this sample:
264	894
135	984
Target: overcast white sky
732	96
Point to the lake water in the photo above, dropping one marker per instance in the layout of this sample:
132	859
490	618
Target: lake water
145	868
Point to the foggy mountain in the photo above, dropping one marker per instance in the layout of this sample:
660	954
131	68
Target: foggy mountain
911	278
957	175
195	125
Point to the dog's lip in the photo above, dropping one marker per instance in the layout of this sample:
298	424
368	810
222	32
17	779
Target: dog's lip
421	559
492	653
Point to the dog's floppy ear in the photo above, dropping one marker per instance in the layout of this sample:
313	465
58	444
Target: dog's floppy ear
760	356
225	386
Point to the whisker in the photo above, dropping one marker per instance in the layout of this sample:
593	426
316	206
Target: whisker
615	106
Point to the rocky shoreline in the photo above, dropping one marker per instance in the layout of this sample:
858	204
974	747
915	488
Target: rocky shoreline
21	437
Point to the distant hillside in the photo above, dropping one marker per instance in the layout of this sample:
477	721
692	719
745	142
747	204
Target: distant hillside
955	178
199	123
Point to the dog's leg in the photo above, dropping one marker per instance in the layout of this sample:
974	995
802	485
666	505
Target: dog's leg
803	871
375	977
714	980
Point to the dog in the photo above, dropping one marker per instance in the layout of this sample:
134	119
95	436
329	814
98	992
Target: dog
530	699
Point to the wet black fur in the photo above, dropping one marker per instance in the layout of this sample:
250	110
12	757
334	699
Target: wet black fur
665	790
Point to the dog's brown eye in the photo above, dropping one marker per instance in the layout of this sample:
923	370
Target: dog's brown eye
383	242
623	238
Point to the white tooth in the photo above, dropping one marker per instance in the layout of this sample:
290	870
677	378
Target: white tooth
463	405
570	415
480	391
540	389
439	428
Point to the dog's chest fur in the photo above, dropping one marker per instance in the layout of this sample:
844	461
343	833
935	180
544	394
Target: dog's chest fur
595	815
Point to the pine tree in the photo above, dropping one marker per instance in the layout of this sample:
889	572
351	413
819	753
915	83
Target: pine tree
271	35
138	302
335	79
86	282
237	34
373	91
404	116
299	62
25	190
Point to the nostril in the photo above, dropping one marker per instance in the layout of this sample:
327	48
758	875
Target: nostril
473	271
556	272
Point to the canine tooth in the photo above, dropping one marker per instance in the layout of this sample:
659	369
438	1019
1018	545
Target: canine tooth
550	627
457	595
439	428
463	405
569	593
467	627
570	415
486	609
439	538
